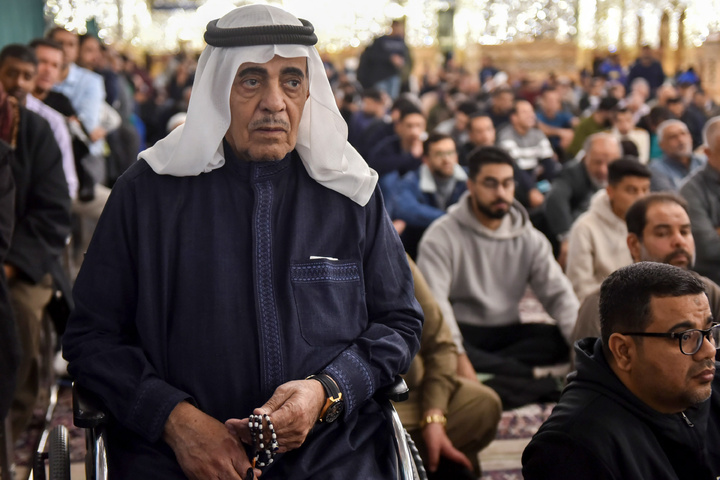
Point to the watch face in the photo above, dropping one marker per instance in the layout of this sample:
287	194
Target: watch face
334	411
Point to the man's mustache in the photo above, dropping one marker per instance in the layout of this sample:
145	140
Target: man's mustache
679	251
707	364
269	122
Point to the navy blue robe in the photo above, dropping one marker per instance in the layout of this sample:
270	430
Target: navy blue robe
203	289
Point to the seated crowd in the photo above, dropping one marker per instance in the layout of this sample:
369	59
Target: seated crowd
549	193
501	192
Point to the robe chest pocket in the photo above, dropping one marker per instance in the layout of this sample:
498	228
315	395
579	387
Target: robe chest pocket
330	301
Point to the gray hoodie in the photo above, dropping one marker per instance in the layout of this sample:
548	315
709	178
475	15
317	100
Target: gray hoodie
478	275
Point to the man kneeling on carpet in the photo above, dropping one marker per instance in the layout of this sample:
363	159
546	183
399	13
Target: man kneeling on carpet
641	404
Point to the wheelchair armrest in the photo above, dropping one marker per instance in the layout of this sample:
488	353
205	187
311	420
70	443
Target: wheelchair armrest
87	411
397	391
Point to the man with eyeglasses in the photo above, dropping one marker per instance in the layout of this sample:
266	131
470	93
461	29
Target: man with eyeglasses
641	404
479	260
424	195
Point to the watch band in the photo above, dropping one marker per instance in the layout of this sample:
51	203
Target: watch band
334	395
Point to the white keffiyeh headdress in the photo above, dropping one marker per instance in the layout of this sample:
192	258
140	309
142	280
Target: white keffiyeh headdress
196	147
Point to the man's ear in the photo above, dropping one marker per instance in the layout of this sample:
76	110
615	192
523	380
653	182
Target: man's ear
623	350
610	190
635	246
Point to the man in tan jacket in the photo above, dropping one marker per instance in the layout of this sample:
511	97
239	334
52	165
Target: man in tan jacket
450	418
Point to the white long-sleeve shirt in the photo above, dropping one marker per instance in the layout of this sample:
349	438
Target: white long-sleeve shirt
58	124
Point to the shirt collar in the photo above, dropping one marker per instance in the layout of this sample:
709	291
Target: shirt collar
695	162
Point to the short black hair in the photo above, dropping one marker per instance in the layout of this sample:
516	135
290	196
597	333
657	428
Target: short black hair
372	93
409	110
45	42
626	167
607	104
478	114
658	114
486	156
88	36
629	149
468	108
636	216
20	52
401	103
432	140
625	296
516	102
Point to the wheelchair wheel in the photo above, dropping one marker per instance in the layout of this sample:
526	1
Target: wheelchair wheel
59	454
418	469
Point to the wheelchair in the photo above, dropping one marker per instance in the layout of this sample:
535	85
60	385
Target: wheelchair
88	414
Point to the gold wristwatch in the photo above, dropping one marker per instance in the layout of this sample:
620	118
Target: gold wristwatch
334	403
441	419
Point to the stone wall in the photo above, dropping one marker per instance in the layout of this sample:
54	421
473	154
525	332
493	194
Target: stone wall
708	67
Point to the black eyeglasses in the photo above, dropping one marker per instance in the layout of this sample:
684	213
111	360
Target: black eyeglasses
690	341
494	184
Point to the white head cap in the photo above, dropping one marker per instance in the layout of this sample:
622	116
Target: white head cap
197	146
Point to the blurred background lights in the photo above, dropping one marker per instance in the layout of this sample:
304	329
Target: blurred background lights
159	25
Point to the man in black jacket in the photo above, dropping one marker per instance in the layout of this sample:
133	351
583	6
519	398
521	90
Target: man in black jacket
575	185
42	225
383	62
641	404
9	346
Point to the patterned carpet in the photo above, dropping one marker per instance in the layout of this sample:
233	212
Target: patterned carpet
501	459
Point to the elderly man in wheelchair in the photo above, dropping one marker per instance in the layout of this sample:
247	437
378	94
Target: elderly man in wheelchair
245	295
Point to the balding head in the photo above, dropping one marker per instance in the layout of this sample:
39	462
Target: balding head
600	149
711	139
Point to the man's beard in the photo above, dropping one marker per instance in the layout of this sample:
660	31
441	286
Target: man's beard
680	251
598	183
489	212
666	260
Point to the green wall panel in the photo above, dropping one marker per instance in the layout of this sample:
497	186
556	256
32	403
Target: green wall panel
20	21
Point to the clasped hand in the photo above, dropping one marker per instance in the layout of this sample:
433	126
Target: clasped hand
205	449
294	409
